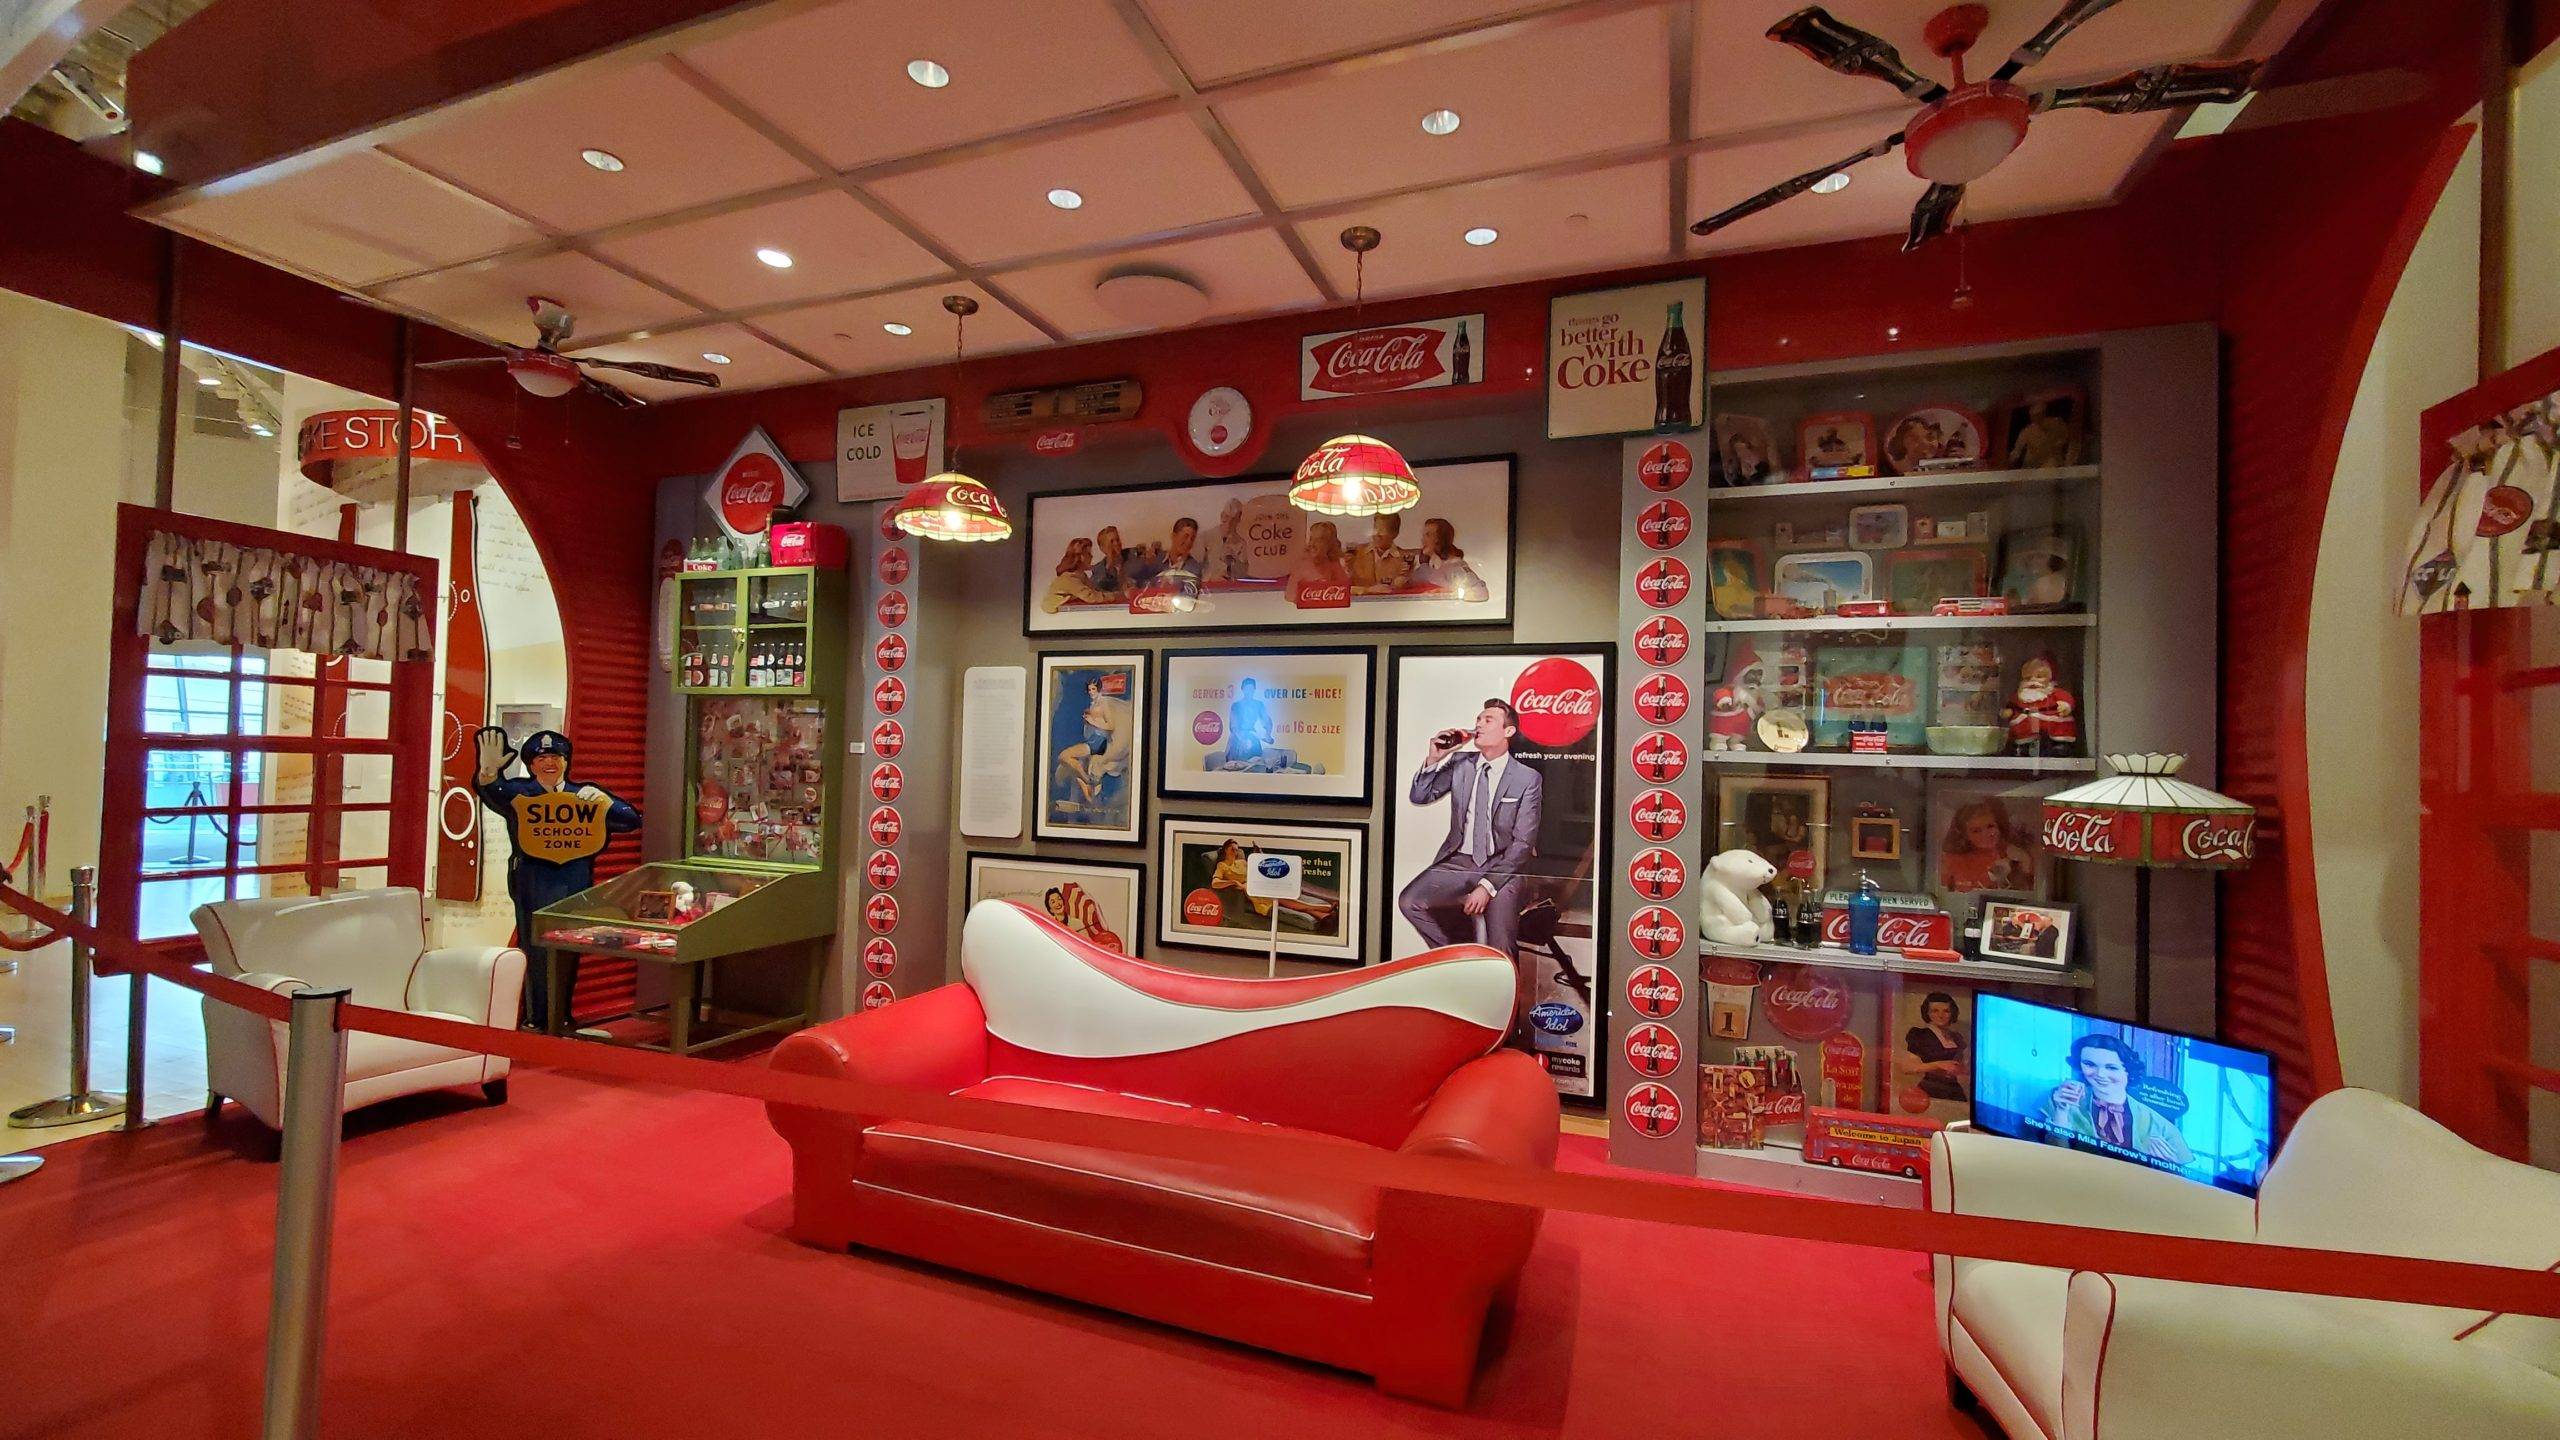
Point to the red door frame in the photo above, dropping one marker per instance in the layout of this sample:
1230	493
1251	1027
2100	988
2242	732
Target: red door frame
408	740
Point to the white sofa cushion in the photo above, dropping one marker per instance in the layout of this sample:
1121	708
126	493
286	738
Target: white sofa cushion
2014	1314
365	941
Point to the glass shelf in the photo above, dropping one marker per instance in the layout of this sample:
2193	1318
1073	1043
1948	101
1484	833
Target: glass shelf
1976	972
1909	760
1906	484
1851	624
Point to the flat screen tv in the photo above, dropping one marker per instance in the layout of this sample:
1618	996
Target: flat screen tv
2196	1108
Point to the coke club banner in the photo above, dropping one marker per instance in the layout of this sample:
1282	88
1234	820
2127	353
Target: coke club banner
1416	355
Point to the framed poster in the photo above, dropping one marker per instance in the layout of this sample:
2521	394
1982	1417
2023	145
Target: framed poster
1629	361
1098	561
1933	1062
1985	836
1201	868
1100	900
2028	932
1276	723
1524	728
1783	819
1093	715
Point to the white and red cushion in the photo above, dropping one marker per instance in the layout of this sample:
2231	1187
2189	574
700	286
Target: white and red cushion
1355	1054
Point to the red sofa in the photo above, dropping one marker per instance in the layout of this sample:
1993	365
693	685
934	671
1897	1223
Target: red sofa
1398	1056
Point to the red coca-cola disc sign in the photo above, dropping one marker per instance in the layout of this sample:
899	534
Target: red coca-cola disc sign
887	782
884	826
1659	757
1662	640
1657	874
755	483
1557	700
1665	467
882	870
894	565
2503	509
1806	1003
1655	991
1656	933
888	738
891	652
1653	1110
877	994
892	609
889	696
1662	698
880	912
1662	583
880	955
1664	525
1653	1051
1658	816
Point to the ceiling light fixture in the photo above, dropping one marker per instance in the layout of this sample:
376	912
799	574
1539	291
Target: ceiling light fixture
951	505
1066	199
1483	235
1832	184
928	74
147	163
261	430
898	327
1355	474
604	160
208	379
778	259
1440	122
715	357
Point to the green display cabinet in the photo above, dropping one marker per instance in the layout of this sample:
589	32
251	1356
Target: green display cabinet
760	659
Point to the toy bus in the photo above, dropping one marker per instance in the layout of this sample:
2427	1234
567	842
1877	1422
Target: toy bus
1861	1140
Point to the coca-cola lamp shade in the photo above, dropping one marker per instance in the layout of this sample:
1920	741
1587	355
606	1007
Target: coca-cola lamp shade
951	506
2144	815
1354	475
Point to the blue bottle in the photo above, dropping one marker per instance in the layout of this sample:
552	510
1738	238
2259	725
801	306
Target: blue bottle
1866	912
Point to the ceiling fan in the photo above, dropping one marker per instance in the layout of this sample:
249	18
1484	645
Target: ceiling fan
545	372
1965	129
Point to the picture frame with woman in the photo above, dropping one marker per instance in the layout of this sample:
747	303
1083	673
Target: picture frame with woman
1274	722
1102	901
1983	837
1933	1054
1092	747
1203	901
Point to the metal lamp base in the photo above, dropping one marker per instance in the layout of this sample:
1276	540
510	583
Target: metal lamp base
19	1167
66	1110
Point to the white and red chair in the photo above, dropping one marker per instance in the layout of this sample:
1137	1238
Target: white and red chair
372	943
2077	1355
1399	1057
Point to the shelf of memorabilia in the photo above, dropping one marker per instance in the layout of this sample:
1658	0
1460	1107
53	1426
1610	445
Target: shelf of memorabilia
1972	972
1814	491
2010	764
1859	624
755	632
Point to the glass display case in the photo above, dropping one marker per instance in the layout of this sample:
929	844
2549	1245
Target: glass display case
748	631
669	909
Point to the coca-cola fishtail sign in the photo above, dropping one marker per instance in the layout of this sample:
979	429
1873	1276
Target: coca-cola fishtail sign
1416	355
753	483
1629	361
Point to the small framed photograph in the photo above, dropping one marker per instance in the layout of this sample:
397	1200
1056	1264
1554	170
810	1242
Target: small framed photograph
1838	445
1820	579
1937	438
2028	932
1879	527
1272	723
1915	580
1100	900
1093	715
2039	568
1875	833
1201	900
654	905
2046	430
1784	819
1734	583
1748	450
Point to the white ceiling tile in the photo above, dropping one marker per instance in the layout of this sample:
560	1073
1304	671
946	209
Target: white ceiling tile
1248	273
1216	39
753	364
1142	178
1553	94
847	334
835	78
835	241
489	301
355	219
1559	226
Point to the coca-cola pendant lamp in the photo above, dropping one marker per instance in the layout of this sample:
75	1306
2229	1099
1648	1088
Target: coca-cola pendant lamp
1355	474
2145	816
951	505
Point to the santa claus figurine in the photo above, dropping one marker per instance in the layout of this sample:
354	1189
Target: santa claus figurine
2043	717
1728	722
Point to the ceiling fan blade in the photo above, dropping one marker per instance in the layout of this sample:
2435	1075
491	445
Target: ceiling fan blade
2072	16
652	370
1852	51
2158	87
614	393
460	362
1930	217
2326	99
1789	189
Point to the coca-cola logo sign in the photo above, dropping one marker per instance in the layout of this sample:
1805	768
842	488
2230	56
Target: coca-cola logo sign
1662	583
880	912
753	483
1207	729
1658	816
892	609
1368	362
1662	698
889	696
1807	1004
1664	525
1659	757
891	652
1202	907
1063	441
888	738
1558	702
2078	834
1895	929
1653	1051
1662	640
1656	933
1657	874
2503	509
1331	595
1665	467
895	564
880	956
1655	991
882	871
878	993
1653	1111
2216	839
887	782
884	826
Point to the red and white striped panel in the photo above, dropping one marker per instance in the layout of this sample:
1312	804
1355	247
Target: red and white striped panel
1358	1053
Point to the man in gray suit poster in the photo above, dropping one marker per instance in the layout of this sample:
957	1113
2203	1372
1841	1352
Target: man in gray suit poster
1471	891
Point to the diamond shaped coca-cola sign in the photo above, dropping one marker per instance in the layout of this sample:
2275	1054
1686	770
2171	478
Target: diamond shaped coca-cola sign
754	482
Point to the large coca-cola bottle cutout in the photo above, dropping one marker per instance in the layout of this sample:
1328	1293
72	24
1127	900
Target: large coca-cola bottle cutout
1672	364
1461	351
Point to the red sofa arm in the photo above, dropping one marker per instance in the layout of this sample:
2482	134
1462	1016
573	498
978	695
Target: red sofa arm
1500	1109
935	1042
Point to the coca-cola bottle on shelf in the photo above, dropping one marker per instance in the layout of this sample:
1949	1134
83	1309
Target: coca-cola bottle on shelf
1672	368
1461	352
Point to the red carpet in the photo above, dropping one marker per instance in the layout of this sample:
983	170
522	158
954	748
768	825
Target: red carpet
603	1260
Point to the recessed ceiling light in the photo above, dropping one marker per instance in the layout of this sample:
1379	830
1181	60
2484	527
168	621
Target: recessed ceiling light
208	379
928	74
1440	122
260	430
147	163
604	160
1066	199
778	259
1832	184
715	357
897	328
1483	235
1893	332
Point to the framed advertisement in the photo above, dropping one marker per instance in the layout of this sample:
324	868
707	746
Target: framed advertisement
1202	901
1984	836
1093	719
1627	361
1533	871
1783	819
1274	723
1092	557
1101	900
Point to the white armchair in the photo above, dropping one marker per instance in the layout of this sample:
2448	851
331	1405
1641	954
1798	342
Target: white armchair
2042	1349
373	943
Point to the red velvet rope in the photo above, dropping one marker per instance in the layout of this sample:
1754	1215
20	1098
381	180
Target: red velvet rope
26	843
2454	1284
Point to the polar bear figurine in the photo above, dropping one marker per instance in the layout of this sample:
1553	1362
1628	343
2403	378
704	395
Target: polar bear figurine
1731	909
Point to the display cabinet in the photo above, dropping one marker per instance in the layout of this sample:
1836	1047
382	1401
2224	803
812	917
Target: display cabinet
755	632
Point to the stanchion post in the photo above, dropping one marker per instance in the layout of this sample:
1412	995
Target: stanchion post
81	1103
137	1034
315	1082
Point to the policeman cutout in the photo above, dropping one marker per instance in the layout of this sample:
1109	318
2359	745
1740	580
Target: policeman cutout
556	827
